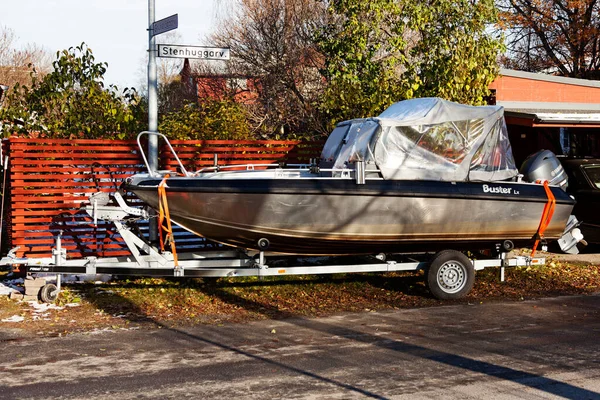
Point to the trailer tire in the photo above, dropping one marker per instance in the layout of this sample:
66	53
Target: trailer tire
49	293
450	275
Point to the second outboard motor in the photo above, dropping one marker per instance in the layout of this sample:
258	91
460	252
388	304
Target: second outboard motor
544	165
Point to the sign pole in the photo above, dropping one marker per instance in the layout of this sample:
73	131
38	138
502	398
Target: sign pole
152	108
152	90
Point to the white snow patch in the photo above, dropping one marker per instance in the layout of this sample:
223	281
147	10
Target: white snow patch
41	311
39	308
14	318
6	290
8	286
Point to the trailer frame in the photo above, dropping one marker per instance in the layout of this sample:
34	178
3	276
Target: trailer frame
454	280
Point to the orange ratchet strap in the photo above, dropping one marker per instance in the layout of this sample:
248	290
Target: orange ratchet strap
163	214
546	217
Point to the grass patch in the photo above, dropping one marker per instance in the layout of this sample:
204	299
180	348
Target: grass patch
8	308
240	299
147	302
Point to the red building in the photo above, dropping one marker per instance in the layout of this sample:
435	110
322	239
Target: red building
242	89
549	112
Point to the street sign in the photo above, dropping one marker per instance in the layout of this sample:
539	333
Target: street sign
198	52
165	25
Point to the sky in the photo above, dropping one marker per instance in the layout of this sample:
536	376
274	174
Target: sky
115	30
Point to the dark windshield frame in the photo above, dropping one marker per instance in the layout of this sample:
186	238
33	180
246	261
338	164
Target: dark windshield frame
592	174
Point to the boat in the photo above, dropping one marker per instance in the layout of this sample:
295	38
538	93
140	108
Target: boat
425	175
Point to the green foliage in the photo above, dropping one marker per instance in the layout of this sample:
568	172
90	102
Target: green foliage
455	57
383	51
72	102
211	119
363	45
67	296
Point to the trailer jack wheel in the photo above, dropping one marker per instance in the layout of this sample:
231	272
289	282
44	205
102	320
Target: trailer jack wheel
451	275
49	293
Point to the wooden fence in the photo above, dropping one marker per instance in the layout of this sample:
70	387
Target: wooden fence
49	181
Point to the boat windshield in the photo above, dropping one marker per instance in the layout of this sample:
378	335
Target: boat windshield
349	142
357	144
334	144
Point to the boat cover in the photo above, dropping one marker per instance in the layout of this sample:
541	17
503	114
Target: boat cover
427	139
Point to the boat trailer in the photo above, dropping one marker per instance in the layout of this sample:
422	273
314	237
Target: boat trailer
450	274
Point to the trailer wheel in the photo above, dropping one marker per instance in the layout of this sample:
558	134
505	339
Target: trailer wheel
451	275
49	293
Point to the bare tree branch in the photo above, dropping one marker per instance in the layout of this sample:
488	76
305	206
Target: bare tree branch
564	35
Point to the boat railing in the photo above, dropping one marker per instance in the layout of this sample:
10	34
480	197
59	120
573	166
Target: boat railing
344	172
244	167
150	171
247	167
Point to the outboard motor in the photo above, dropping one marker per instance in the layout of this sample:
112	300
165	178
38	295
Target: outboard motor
544	165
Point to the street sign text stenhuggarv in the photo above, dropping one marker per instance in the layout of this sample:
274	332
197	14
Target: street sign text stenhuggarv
200	52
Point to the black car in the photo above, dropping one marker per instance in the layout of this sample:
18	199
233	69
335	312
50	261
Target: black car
584	185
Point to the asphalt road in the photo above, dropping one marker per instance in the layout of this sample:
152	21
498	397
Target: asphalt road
541	349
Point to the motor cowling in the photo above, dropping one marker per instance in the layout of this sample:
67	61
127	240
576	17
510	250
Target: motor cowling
544	165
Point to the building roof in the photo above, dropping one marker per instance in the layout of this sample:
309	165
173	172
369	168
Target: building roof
550	113
549	78
552	119
550	107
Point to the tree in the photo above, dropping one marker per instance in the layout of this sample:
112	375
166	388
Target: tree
455	56
172	93
560	36
71	101
383	51
363	46
17	64
175	91
271	43
210	119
